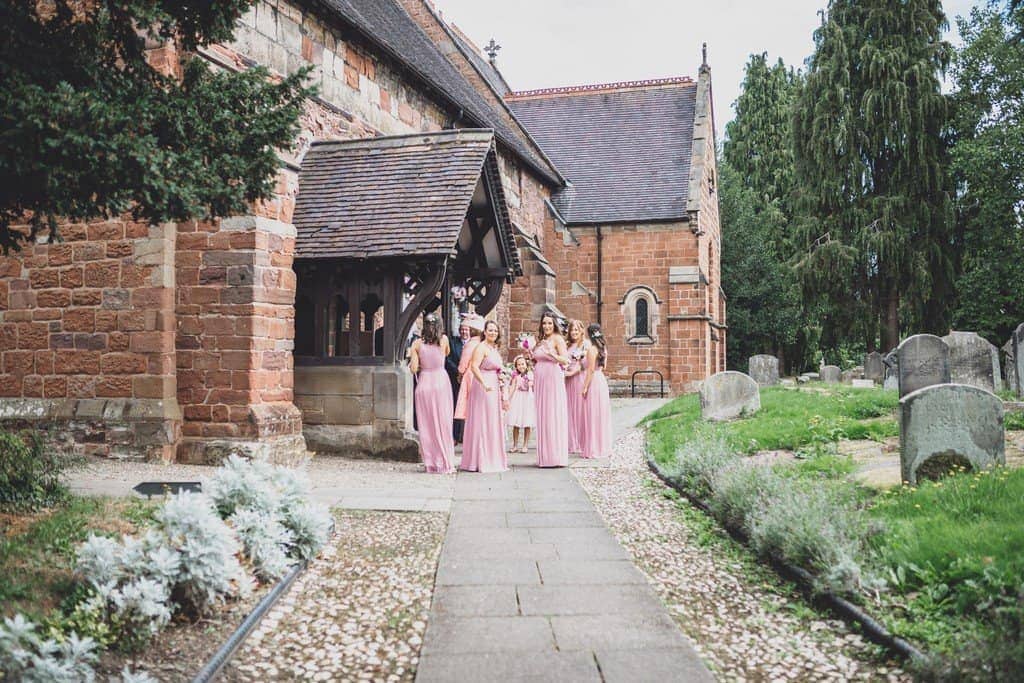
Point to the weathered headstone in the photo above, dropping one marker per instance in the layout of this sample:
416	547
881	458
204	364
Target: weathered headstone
892	381
997	370
1011	367
923	361
787	382
853	373
729	394
1018	358
813	376
831	374
764	369
862	384
874	369
970	360
945	425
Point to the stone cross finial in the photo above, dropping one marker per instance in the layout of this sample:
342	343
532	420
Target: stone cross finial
492	50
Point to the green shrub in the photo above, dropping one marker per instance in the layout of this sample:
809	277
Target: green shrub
741	489
698	461
1014	420
30	473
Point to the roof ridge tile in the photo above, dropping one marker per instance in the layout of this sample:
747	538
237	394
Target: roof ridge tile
590	88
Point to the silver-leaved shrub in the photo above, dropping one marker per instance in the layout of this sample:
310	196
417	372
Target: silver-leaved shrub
27	656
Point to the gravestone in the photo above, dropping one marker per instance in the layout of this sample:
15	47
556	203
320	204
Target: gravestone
729	394
923	360
787	382
813	375
764	369
950	424
853	373
1018	358
1010	367
862	384
997	371
970	360
891	381
874	368
831	374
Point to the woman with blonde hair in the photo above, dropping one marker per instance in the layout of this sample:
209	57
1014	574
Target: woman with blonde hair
483	445
574	376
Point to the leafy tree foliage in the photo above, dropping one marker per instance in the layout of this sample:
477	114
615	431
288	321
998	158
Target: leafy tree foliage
988	162
872	168
756	181
91	129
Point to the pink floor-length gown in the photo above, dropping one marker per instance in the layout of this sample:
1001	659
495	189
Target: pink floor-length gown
597	411
552	410
434	411
574	399
483	442
467	377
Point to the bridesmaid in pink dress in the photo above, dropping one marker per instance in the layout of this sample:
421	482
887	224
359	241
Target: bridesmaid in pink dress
597	408
483	444
574	376
433	398
549	393
476	325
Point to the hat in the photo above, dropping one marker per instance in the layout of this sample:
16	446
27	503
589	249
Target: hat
474	322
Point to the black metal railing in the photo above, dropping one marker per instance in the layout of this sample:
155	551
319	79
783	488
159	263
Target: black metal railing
632	382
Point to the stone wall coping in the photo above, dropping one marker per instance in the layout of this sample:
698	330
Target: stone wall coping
112	409
243	223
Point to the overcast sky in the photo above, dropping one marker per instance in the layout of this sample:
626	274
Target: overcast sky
550	43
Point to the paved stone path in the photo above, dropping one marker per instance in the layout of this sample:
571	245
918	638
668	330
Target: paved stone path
532	585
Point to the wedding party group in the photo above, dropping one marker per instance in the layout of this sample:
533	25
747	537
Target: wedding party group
555	387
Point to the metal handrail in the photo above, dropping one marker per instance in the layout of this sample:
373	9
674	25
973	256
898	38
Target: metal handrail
632	382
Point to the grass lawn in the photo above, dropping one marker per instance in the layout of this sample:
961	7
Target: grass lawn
788	420
950	553
37	550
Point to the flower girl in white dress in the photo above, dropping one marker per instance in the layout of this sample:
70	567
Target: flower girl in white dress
521	410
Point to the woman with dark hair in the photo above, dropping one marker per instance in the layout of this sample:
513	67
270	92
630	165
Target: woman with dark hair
597	407
549	390
433	397
483	442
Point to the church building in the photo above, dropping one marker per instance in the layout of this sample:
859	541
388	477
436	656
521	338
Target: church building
420	182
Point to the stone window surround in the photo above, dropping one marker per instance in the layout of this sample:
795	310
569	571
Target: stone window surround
628	303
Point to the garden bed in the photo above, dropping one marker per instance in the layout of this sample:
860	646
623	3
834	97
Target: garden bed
939	564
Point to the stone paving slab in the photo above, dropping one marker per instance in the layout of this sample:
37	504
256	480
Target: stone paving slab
464	572
548	600
583	572
636	631
647	666
565	667
476	601
448	634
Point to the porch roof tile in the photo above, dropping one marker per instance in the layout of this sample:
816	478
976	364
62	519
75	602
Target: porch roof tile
387	197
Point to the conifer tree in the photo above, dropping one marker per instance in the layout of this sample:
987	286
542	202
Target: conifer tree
871	167
755	180
89	127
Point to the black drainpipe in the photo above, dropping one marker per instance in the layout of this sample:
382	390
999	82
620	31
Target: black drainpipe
600	271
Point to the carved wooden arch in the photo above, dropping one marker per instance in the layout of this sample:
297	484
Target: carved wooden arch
423	281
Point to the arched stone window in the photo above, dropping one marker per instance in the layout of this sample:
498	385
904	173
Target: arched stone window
640	311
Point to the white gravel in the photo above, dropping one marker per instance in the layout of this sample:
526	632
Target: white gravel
359	612
746	623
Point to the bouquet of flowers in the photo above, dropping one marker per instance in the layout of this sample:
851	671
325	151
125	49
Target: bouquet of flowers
505	375
577	354
458	293
526	341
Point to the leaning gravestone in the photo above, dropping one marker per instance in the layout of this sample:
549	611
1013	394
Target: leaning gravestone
764	369
1018	358
923	360
970	360
729	394
831	374
1011	368
997	371
874	369
950	424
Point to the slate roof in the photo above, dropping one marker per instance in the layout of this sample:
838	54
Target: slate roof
385	197
386	23
625	148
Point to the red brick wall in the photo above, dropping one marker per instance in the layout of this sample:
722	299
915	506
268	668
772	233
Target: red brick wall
91	318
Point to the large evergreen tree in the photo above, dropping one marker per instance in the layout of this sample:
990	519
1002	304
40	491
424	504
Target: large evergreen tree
755	181
988	162
89	128
872	169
